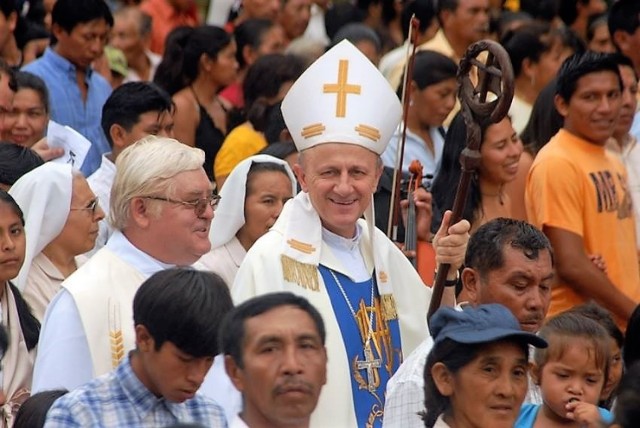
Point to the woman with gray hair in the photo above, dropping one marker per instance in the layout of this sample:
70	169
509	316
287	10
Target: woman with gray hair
61	215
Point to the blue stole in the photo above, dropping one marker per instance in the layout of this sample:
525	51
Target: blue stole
386	350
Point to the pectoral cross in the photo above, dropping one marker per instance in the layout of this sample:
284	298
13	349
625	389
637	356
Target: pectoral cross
369	364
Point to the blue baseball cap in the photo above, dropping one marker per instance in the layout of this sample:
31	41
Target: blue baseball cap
479	324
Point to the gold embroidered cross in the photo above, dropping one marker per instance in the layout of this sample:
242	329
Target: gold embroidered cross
342	88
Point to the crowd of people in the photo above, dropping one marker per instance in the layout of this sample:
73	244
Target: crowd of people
234	249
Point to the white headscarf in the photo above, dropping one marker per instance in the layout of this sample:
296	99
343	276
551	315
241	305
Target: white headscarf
229	217
44	195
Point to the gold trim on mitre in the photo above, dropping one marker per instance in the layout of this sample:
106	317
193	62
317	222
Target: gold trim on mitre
303	274
388	304
341	88
313	130
368	132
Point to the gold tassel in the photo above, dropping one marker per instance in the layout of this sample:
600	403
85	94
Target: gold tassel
305	275
388	304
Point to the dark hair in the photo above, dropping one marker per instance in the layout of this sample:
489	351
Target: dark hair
183	49
26	80
429	69
449	174
594	311
485	251
250	33
423	10
572	325
568	10
624	61
356	32
454	356
185	307
624	15
274	124
571	40
129	101
631	348
16	161
579	65
258	167
543	10
6	198
280	149
544	122
232	330
69	13
28	322
627	407
263	81
33	412
528	42
442	5
507	18
8	71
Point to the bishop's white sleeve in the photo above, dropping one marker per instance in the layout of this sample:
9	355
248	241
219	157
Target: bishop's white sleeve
63	359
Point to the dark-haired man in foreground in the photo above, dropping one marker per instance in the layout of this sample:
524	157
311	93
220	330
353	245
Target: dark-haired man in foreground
176	314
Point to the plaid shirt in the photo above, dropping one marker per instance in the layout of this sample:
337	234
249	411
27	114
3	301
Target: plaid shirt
119	399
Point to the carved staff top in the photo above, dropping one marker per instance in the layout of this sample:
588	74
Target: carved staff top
483	103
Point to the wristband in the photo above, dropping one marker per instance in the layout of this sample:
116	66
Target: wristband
449	282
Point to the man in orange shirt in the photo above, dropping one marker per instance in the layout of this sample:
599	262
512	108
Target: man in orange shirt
167	15
577	194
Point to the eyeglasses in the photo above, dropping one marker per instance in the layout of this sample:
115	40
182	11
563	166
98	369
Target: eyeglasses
198	205
92	206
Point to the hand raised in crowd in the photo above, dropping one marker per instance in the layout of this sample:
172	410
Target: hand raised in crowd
45	152
450	242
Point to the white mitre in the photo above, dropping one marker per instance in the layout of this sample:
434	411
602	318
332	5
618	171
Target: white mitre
342	98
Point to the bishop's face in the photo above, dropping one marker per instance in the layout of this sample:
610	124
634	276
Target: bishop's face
340	180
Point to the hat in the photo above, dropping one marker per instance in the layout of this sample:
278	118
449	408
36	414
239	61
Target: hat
117	61
342	98
480	324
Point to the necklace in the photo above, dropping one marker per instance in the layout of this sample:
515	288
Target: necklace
499	195
370	363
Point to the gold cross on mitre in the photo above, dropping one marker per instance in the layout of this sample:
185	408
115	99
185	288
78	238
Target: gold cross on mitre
341	88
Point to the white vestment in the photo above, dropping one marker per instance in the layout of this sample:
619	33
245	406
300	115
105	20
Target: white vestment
224	260
262	272
92	311
89	324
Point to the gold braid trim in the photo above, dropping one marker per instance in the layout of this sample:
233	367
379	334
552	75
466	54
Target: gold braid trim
303	274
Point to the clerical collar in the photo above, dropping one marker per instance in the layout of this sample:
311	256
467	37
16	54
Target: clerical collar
143	262
338	242
348	251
